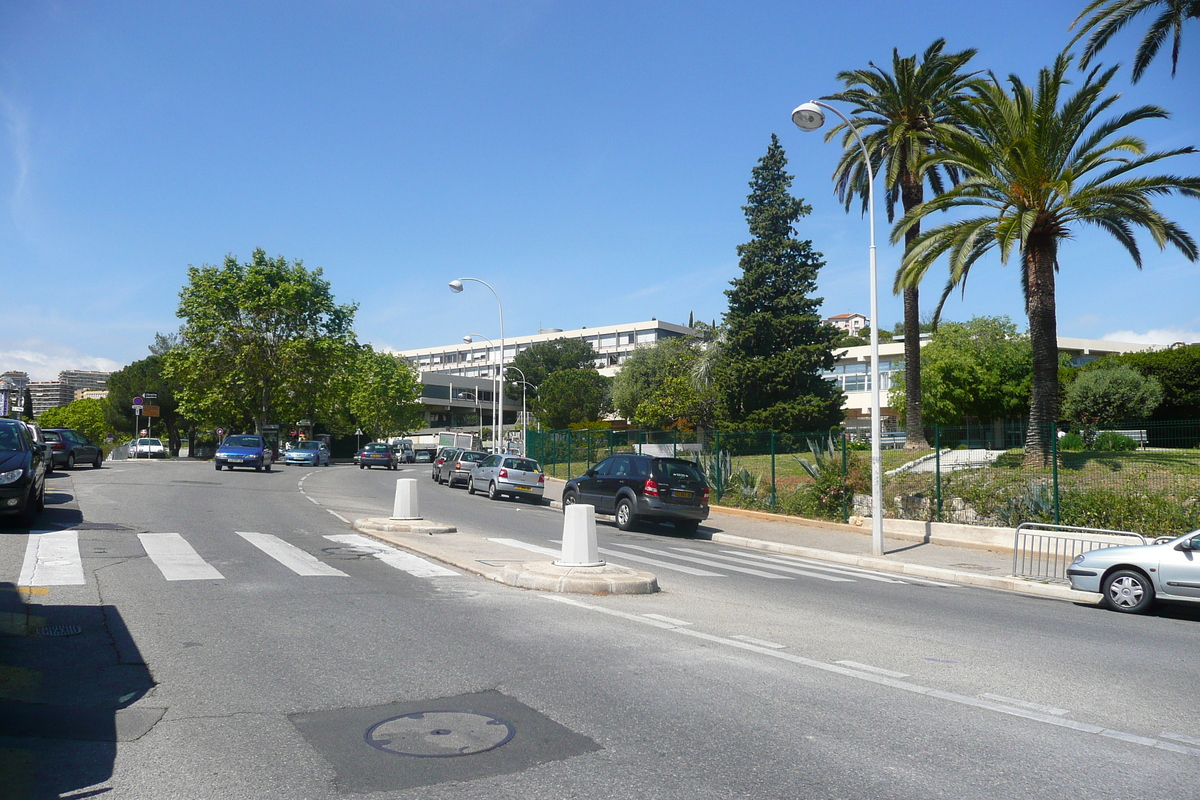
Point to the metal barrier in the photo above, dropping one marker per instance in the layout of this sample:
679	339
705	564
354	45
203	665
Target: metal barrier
1042	556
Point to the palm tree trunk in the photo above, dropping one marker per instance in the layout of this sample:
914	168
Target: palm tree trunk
1040	258
912	193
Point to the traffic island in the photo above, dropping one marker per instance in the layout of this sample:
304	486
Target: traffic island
387	525
547	576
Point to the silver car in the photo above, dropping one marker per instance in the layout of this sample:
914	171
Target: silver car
500	475
1132	578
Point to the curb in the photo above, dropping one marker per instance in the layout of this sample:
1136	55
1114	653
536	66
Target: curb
386	525
549	577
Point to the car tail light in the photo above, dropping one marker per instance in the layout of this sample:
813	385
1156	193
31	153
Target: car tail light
58	446
704	498
541	477
651	488
458	465
503	473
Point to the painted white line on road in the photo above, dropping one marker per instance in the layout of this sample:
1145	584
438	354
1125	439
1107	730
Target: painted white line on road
876	670
707	562
533	548
1181	738
176	559
289	555
779	567
759	642
856	571
339	516
671	620
654	562
1012	701
52	559
407	562
311	500
883	680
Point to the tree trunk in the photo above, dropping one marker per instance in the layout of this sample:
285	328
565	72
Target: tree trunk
1040	257
912	193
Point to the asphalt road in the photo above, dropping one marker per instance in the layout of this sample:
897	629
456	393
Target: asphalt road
279	662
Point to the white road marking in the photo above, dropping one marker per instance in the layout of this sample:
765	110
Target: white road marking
1012	701
533	548
311	500
671	620
339	516
759	642
883	680
176	559
779	567
407	562
52	559
654	562
289	555
866	574
708	562
876	670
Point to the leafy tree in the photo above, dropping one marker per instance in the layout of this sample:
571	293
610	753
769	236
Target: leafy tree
384	394
88	416
981	369
134	380
863	337
666	386
27	404
1118	393
646	368
1038	164
776	345
1109	16
571	395
261	341
1177	369
542	359
901	116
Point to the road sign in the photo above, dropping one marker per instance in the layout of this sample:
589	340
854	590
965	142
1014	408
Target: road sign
150	395
150	411
358	432
137	411
137	401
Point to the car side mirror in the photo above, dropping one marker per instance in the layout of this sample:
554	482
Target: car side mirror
591	473
1189	544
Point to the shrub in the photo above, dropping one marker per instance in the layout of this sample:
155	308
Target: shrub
1072	442
1113	442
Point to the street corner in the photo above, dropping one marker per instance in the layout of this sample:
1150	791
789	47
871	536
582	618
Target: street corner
387	525
547	576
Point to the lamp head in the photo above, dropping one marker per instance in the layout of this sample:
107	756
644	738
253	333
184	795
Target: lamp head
456	286
808	117
468	339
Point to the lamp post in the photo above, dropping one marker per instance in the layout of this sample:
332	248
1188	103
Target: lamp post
456	287
468	339
809	117
524	422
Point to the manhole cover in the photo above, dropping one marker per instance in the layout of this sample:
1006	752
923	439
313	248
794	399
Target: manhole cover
59	630
440	734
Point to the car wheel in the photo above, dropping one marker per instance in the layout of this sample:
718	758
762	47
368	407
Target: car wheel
626	519
70	461
687	526
1128	591
470	487
492	493
360	466
99	462
29	513
41	499
569	499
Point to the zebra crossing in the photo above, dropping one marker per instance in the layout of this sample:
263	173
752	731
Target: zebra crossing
53	558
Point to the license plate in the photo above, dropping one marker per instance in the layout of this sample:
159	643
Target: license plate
683	494
234	460
523	489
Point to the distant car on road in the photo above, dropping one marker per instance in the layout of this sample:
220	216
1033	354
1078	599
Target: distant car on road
508	475
35	433
71	447
636	487
377	454
1132	578
458	469
22	473
243	450
147	448
312	452
445	454
423	457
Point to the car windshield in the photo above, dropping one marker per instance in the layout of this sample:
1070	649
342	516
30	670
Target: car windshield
473	457
684	471
308	446
526	464
10	439
242	441
51	436
149	442
376	448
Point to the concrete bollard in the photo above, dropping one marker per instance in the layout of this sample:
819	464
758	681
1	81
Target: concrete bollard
405	506
579	538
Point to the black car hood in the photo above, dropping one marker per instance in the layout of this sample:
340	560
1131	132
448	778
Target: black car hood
13	460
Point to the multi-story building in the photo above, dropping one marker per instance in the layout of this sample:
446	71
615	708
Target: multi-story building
84	379
50	394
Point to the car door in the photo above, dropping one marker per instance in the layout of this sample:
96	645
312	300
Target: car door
484	473
589	482
610	482
1179	570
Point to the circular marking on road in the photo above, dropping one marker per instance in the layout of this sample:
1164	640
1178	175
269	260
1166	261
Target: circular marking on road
440	734
59	630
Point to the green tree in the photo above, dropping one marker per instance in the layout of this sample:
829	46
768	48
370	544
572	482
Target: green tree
776	344
1109	16
133	381
1177	369
542	359
1040	165
88	416
981	369
569	396
27	404
261	341
1118	393
384	394
902	116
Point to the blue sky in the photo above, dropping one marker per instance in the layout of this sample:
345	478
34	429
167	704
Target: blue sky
588	159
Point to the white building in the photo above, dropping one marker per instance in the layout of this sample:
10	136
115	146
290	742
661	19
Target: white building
850	323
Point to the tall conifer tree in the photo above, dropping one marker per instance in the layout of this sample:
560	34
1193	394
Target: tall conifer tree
777	346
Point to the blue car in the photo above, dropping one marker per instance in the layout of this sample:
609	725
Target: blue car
314	453
243	450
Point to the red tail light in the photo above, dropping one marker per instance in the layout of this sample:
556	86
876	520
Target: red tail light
705	497
58	446
458	465
541	478
503	473
651	488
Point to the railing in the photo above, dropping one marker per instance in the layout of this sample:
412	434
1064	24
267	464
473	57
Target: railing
1043	556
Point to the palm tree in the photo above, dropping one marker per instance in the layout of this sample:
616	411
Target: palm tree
1109	16
901	116
1041	165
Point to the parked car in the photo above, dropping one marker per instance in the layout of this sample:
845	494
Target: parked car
423	457
35	433
458	469
148	448
1132	579
377	454
508	475
443	455
22	473
312	452
71	447
637	487
243	450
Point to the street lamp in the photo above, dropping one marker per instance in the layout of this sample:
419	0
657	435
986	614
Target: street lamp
809	117
456	287
469	340
524	422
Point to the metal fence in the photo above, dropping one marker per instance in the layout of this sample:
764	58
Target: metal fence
1043	552
1140	476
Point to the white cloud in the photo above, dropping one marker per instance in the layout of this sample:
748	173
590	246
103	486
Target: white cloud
46	366
1163	336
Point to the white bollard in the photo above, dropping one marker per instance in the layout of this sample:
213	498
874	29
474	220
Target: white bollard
579	537
406	506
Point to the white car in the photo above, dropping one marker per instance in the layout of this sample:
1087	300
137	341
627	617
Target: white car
1132	578
147	448
500	475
